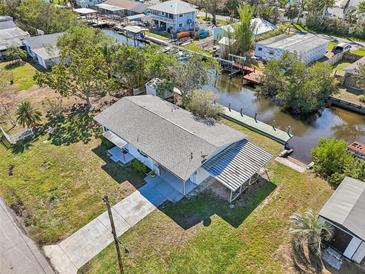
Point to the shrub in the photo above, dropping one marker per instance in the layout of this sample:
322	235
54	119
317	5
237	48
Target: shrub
333	162
106	143
201	103
362	98
139	167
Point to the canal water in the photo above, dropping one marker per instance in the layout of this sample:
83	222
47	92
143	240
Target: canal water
331	122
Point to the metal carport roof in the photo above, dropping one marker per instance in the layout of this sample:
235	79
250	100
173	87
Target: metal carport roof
237	164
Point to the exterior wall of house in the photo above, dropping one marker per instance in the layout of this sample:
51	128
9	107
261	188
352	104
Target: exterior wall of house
145	159
360	253
356	248
311	55
199	176
179	22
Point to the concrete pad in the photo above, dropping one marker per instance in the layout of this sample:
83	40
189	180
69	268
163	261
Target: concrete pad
134	208
59	259
18	253
120	224
87	242
291	164
151	193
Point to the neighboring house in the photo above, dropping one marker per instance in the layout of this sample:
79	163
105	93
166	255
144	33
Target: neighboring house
344	212
173	16
122	8
308	47
350	73
43	49
10	34
341	7
180	149
88	3
357	149
259	26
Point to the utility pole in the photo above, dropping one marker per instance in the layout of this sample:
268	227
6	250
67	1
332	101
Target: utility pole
116	241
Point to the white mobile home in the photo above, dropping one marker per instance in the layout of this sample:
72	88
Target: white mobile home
308	47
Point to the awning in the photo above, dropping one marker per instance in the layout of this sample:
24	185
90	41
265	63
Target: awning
109	7
235	165
84	11
119	142
134	29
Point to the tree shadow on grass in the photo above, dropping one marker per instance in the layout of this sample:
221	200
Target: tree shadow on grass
75	126
198	209
119	173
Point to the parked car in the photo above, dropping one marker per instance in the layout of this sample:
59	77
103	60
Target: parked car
342	47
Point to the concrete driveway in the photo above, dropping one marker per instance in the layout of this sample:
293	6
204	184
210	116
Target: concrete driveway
18	253
73	252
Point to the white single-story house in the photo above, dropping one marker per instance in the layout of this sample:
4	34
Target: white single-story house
43	49
345	212
10	34
308	47
173	16
258	25
122	8
179	148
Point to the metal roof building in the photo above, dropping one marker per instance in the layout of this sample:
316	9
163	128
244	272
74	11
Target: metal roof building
345	211
10	34
181	143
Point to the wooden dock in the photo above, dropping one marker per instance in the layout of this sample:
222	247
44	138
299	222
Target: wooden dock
269	131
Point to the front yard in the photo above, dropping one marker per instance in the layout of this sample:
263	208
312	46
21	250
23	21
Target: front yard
58	189
204	235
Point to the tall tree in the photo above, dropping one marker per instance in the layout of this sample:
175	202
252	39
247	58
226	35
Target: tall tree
306	228
213	7
38	14
360	76
84	71
361	7
316	8
295	86
243	31
27	115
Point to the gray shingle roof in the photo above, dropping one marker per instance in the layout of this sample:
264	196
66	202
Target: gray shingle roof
170	135
174	7
11	35
237	164
42	41
346	206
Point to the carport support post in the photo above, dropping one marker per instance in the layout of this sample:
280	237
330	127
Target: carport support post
116	241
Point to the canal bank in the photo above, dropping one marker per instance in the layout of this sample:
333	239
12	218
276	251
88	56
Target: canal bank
330	122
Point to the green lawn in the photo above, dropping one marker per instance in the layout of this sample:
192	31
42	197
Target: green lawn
204	235
22	75
340	67
360	51
58	188
331	45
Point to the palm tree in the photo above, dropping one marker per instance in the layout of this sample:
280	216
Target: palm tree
306	228
27	115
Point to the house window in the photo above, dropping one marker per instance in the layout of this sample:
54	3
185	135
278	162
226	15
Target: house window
180	25
259	49
142	153
181	15
271	52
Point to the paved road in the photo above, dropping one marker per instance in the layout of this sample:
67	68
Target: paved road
73	252
18	253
